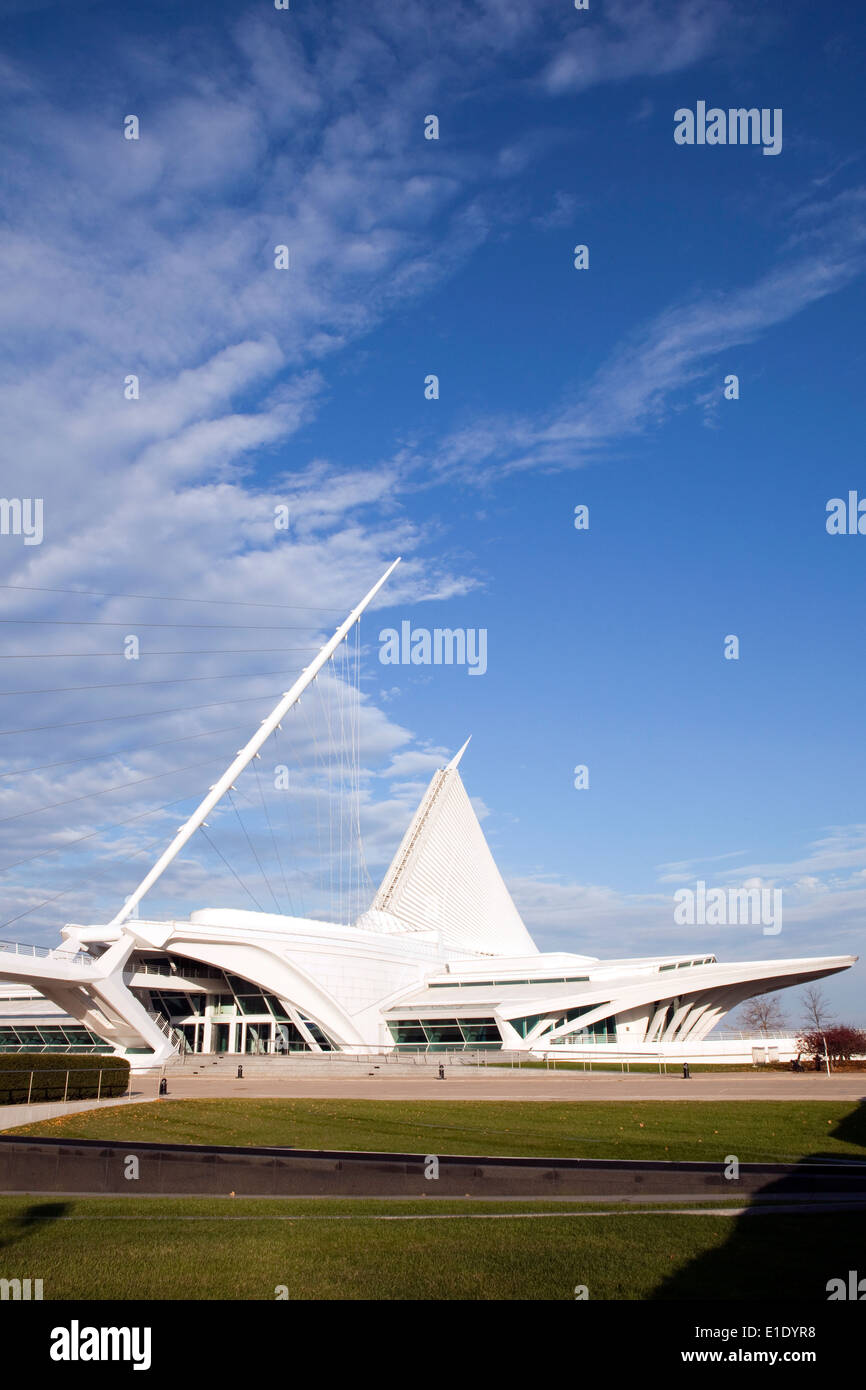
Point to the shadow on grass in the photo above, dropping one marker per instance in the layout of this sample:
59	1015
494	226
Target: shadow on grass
782	1254
33	1218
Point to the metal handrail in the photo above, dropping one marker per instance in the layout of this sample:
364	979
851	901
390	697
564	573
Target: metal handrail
165	971
752	1037
26	948
178	1040
471	1057
89	1072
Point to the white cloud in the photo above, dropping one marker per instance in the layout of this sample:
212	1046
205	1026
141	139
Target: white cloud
633	38
642	381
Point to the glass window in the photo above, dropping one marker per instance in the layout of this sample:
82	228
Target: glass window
316	1032
221	1041
524	1026
446	1031
258	1037
479	1030
407	1031
288	1038
173	1005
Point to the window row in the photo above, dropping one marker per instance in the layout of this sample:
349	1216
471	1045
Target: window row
489	984
49	1038
444	1034
686	964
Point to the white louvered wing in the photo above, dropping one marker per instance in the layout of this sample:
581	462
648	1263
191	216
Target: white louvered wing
444	878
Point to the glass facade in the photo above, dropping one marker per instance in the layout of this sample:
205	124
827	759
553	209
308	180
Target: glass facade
524	1026
444	1034
50	1037
234	1016
604	1031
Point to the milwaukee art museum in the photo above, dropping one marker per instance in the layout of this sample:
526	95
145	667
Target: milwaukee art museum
440	962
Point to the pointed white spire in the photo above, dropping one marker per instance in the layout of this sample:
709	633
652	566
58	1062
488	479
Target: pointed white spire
459	754
443	877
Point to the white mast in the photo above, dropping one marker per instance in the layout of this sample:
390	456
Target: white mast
247	753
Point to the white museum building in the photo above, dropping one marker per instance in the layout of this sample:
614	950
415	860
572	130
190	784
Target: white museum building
441	962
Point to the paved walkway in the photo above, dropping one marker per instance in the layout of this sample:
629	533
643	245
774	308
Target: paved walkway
11	1116
536	1085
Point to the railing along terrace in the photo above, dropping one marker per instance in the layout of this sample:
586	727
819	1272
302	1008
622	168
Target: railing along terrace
756	1038
26	948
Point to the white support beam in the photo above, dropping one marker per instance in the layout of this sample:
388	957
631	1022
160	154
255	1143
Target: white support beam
247	753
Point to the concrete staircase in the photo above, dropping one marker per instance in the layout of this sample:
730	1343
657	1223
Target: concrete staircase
330	1064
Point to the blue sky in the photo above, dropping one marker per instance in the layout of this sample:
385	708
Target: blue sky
557	387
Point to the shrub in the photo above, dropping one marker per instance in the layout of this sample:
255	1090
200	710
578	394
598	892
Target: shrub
843	1043
49	1076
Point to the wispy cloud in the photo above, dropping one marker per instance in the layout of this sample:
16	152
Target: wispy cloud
630	38
644	379
250	138
838	858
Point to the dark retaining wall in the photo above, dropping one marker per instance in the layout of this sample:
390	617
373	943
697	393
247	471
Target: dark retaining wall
92	1166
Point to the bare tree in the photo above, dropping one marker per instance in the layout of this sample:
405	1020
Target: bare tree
763	1012
816	1009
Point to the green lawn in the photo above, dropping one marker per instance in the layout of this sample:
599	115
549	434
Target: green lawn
753	1130
98	1248
207	1248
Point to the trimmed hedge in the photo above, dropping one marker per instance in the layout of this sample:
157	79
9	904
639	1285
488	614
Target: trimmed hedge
49	1076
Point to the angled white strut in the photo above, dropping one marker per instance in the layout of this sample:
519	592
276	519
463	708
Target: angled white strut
247	753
